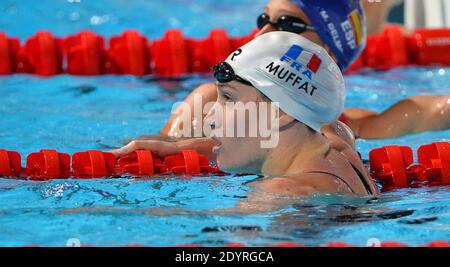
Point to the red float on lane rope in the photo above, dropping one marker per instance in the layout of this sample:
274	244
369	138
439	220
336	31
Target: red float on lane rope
141	162
43	54
85	53
436	158
438	244
93	164
430	47
217	47
289	245
128	54
186	162
9	48
173	55
10	163
392	245
169	55
48	164
338	245
388	165
189	162
391	165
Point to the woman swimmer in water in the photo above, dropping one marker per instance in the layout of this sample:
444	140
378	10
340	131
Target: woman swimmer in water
304	17
308	87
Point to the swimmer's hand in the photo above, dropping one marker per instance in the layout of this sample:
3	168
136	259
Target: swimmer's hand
159	148
162	149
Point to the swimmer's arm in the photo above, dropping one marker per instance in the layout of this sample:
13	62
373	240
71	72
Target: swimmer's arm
412	115
203	146
398	120
207	92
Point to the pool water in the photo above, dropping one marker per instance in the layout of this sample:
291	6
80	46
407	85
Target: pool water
73	114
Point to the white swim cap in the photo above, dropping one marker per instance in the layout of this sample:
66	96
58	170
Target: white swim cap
294	72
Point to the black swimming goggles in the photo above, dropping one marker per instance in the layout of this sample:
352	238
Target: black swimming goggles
224	73
285	23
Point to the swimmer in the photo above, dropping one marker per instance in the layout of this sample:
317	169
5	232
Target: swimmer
307	86
304	17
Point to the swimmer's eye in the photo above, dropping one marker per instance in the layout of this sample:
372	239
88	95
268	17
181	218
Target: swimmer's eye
225	95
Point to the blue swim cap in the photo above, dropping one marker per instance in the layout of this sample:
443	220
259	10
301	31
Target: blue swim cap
341	24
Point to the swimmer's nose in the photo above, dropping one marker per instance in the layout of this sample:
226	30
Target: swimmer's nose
268	28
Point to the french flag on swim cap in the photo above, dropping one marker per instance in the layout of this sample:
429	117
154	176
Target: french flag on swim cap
295	53
341	25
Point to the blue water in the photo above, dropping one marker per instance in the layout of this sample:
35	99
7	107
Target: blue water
79	113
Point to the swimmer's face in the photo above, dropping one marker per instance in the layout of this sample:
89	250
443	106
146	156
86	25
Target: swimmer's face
277	8
239	151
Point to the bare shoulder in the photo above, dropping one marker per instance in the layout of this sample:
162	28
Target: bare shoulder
340	136
303	184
